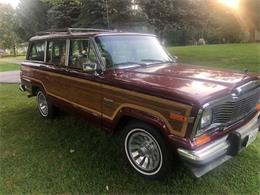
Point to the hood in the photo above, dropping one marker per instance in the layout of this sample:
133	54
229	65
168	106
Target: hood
187	83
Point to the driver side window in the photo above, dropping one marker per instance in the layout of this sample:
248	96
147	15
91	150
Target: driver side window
82	55
78	53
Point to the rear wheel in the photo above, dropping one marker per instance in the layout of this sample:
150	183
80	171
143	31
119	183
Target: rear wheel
146	151
45	107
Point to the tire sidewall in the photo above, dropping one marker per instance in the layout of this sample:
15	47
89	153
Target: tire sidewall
165	166
50	113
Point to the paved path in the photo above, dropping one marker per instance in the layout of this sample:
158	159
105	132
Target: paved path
10	77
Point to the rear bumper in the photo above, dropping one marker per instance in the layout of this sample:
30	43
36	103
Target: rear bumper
22	88
208	157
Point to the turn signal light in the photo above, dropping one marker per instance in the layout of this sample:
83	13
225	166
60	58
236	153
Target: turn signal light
178	117
257	106
202	139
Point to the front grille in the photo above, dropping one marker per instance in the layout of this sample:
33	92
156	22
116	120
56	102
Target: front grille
232	111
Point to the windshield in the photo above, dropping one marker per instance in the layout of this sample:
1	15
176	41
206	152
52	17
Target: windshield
124	50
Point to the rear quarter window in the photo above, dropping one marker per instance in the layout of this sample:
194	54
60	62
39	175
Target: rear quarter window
37	51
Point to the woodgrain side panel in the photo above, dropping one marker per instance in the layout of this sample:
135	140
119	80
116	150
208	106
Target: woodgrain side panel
106	101
155	106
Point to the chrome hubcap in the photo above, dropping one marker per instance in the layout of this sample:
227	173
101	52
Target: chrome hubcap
143	151
42	104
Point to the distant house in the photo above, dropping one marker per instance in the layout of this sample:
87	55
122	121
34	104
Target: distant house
253	36
2	52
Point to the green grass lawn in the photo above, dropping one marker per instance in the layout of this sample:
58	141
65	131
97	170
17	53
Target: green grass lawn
10	63
12	59
231	56
68	155
8	67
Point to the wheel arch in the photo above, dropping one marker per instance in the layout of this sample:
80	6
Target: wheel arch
36	87
126	114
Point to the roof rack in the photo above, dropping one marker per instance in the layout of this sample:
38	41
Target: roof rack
71	30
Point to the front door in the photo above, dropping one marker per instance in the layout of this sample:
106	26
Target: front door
74	82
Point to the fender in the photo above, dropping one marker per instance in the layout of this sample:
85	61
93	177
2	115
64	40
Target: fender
149	116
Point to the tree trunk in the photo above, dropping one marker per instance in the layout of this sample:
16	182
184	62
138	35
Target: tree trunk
14	50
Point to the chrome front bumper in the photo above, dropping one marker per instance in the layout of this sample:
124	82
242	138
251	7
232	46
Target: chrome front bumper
208	157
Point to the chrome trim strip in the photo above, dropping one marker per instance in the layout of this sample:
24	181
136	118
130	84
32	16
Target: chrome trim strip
45	51
101	64
248	86
21	88
28	80
67	52
196	124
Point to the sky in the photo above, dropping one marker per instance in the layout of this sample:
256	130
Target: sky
14	3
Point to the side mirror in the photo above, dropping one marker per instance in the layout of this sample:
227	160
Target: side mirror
89	67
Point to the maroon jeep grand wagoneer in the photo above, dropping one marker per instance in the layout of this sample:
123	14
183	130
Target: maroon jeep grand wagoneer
129	84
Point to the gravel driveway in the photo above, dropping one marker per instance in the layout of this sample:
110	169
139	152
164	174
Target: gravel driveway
10	77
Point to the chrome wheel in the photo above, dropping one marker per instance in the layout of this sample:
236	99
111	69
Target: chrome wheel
42	104
143	151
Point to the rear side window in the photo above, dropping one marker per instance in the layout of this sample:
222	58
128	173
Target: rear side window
37	51
56	52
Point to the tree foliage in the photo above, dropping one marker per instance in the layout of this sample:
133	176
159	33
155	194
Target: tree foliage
31	17
8	38
171	13
63	13
208	19
105	13
250	16
176	20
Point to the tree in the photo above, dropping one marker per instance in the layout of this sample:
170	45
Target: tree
169	13
63	14
31	16
105	13
190	20
250	16
8	38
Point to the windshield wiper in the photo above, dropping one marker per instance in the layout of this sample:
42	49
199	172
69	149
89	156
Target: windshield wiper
157	61
151	60
130	63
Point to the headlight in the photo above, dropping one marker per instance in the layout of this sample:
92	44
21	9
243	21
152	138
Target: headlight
205	121
206	118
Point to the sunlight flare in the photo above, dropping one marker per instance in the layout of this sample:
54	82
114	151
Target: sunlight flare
13	3
234	4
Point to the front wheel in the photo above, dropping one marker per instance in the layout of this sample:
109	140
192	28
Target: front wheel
146	151
45	107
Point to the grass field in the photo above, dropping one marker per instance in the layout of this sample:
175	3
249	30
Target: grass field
69	155
230	56
8	67
10	63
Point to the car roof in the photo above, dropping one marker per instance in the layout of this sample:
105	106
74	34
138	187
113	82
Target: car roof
79	33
